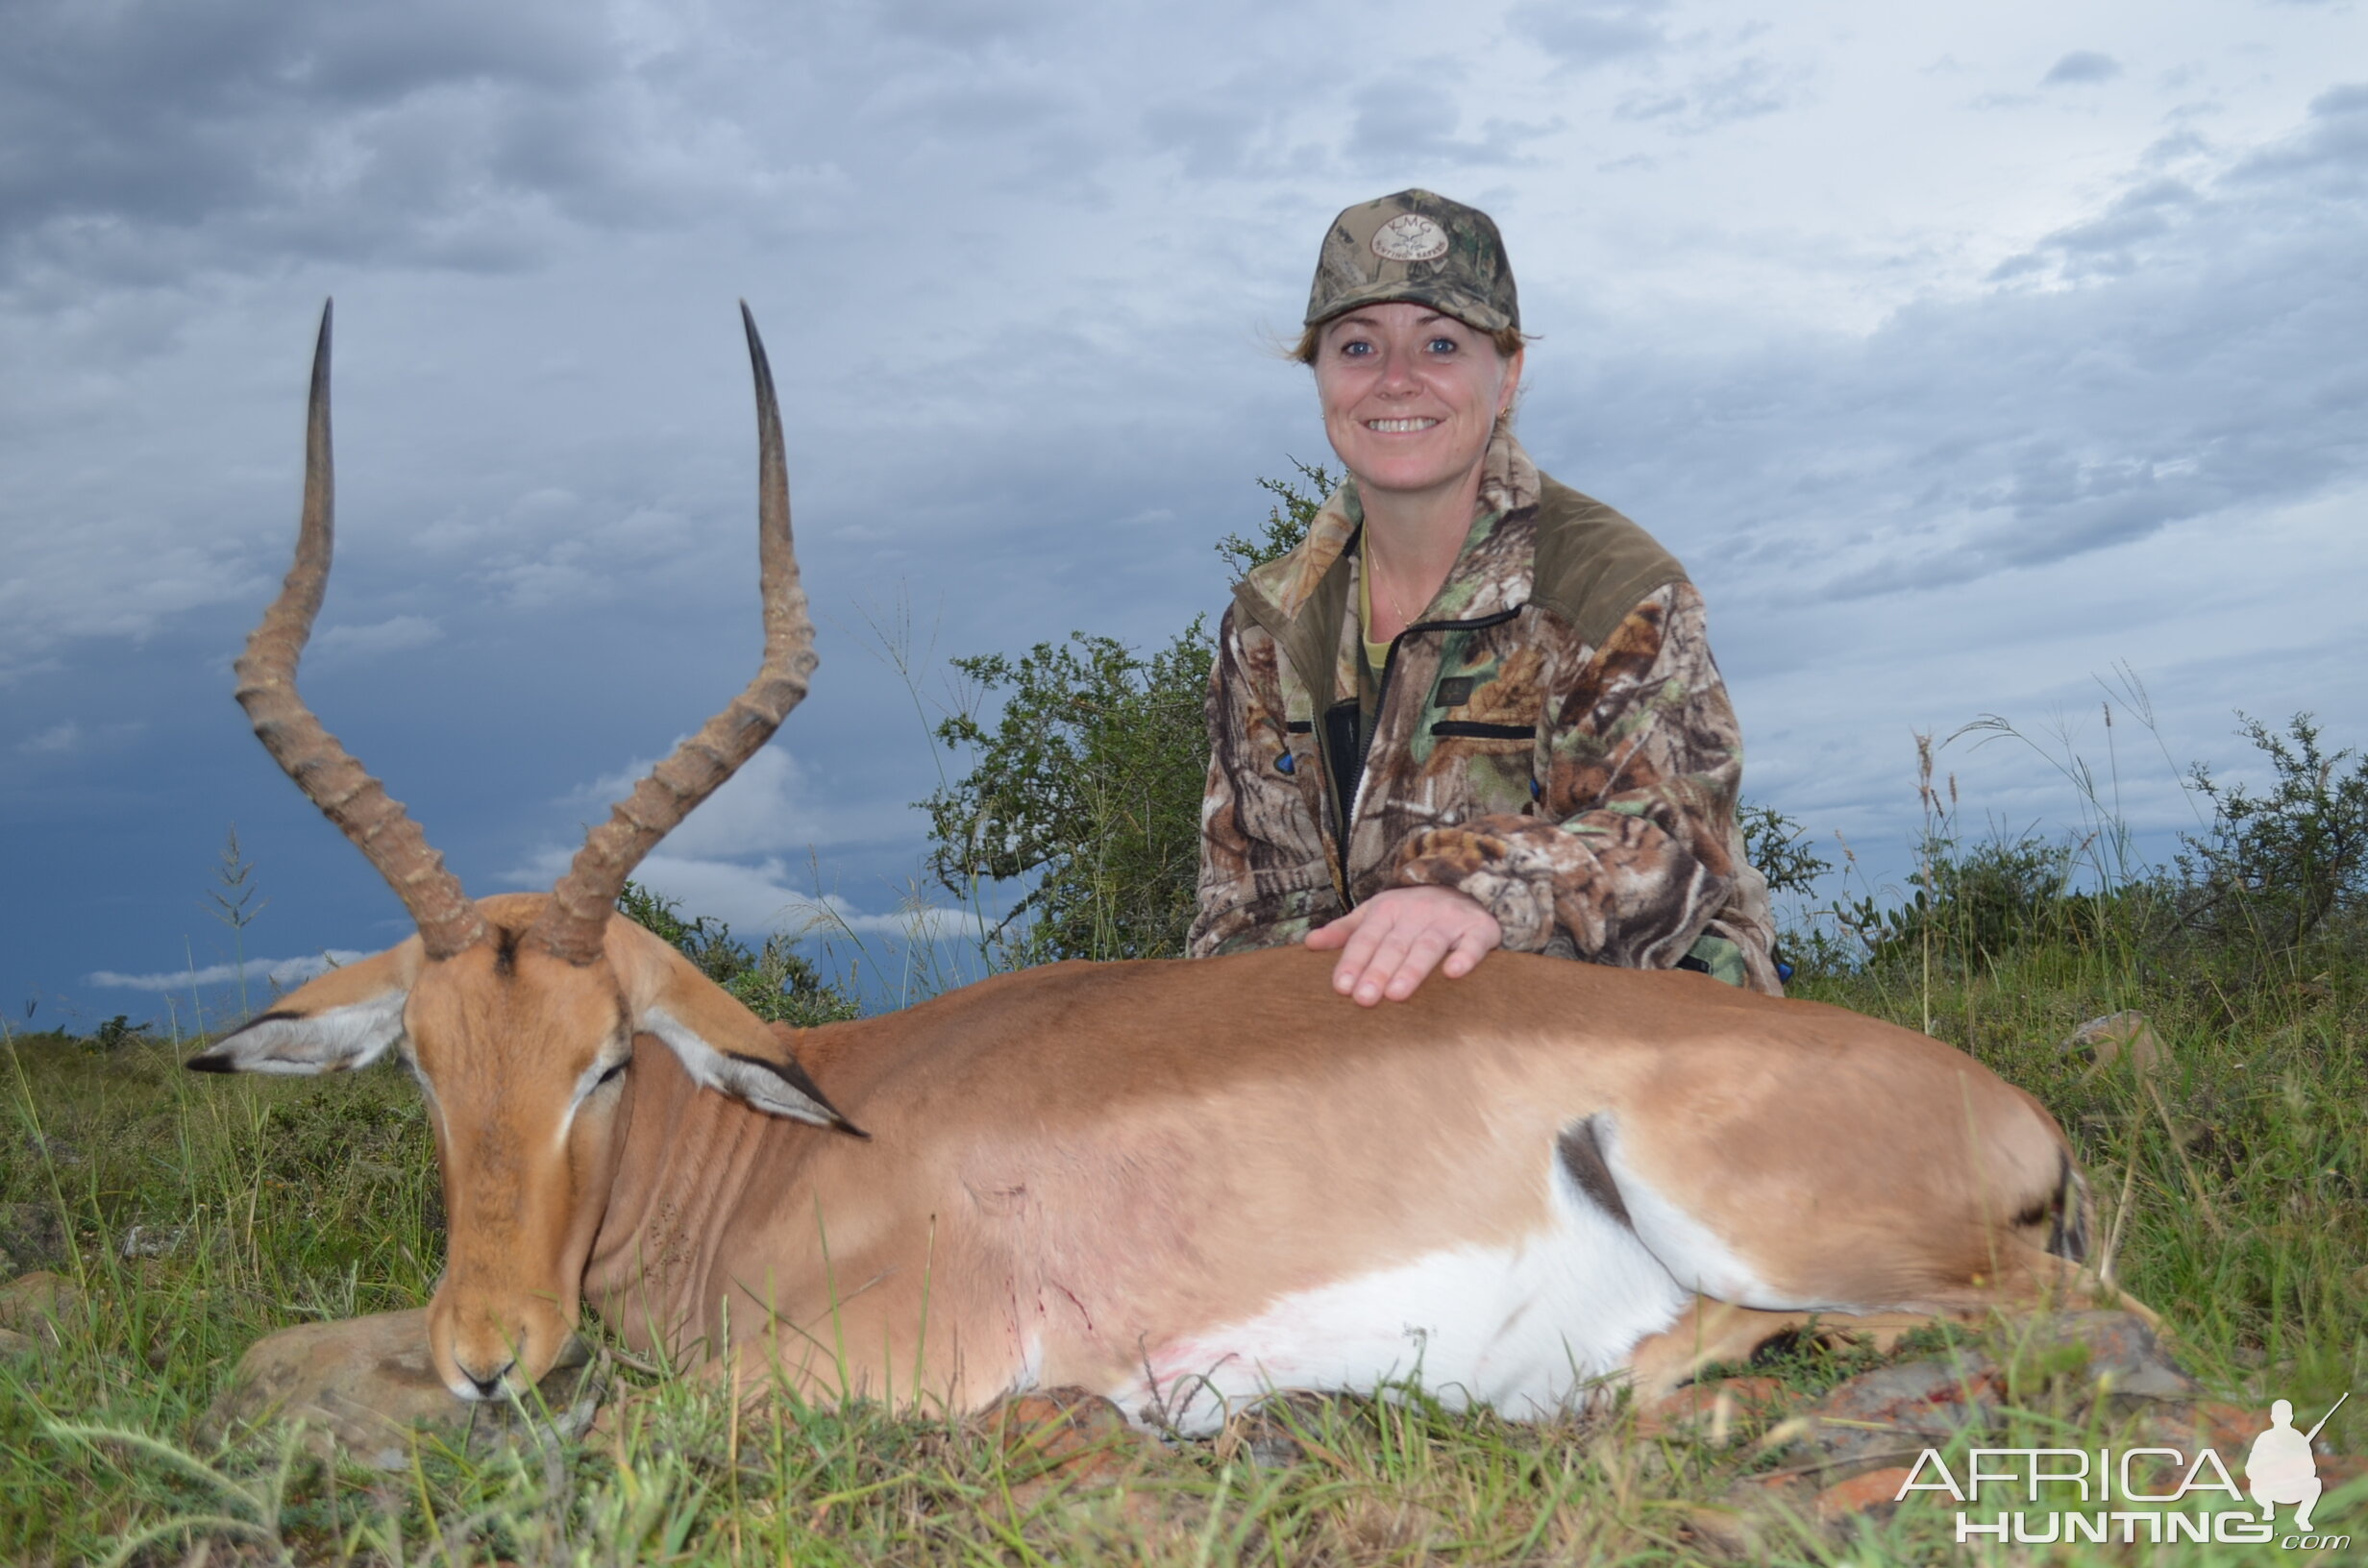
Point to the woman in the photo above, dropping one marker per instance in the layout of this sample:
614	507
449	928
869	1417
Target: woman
1474	708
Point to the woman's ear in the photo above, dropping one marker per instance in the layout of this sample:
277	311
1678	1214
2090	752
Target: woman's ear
1513	383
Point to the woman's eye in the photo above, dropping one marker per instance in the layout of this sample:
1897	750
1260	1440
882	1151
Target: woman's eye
1355	351
1444	345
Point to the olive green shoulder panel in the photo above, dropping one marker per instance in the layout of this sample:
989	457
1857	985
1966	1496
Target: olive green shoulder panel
1310	639
1594	565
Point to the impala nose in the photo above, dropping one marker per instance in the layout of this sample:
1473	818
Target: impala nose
489	1386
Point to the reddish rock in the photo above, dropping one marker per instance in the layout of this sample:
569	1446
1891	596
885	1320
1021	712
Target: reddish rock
33	1304
1714	1410
2341	1470
2124	1356
1874	1493
1885	1415
2115	1038
1061	1437
365	1385
1758	1517
2207	1423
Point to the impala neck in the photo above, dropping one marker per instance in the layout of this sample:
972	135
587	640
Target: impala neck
685	1171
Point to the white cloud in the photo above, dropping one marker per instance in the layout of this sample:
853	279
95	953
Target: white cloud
71	737
64	736
279	971
765	897
764	808
749	855
392	635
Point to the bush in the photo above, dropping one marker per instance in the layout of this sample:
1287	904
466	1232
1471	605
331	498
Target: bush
1089	789
1772	844
1976	905
2274	868
771	982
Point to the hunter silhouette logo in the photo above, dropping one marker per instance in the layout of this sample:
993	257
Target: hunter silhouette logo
2281	1467
2072	1494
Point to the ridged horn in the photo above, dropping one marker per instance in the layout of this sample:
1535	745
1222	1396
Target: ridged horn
321	766
571	923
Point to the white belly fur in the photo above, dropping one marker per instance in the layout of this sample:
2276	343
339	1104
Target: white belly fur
1527	1328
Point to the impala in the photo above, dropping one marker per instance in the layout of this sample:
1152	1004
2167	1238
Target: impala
1183	1184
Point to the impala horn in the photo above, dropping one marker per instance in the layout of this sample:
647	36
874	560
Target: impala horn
571	923
320	764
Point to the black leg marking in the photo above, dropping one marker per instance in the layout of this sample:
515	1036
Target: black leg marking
2067	1233
1581	1156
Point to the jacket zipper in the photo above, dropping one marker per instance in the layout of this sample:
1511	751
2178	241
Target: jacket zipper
1347	809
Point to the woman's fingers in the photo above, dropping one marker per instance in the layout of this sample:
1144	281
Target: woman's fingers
1392	943
1336	934
1385	961
1423	956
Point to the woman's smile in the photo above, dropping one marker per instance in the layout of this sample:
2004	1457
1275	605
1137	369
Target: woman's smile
1410	399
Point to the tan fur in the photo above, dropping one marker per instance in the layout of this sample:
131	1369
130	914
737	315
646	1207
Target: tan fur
1072	1167
1099	1159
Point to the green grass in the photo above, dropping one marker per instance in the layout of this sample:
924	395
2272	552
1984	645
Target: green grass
2232	1181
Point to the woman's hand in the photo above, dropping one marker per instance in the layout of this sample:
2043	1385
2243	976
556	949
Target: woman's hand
1391	943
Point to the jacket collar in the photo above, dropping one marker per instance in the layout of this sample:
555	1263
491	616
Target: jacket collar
1302	598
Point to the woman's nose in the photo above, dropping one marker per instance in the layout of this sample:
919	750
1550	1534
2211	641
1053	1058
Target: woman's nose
1397	371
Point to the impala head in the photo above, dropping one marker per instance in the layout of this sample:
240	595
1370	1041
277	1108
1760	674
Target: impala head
518	1012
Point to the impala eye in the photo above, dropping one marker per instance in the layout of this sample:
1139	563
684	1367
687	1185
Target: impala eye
609	1076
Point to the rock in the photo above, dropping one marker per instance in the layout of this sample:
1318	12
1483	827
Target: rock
13	1344
34	1305
30	1237
1056	1439
2341	1470
1711	1410
365	1385
1758	1518
1873	1494
2115	1038
153	1242
57	1151
1887	1415
2118	1356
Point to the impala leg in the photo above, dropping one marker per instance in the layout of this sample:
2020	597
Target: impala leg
1716	1333
1706	1334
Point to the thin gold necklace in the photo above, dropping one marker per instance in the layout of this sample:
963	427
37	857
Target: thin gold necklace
1373	559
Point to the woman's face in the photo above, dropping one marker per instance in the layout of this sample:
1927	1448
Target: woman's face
1410	396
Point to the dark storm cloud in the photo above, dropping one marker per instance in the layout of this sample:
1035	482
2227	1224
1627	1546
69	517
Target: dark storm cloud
1014	262
2082	65
142	140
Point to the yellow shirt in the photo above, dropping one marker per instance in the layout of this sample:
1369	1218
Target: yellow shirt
1376	655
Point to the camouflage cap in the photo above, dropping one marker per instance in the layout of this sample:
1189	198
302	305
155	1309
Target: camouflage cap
1420	247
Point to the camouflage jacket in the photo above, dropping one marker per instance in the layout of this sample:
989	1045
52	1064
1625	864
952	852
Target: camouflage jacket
1550	737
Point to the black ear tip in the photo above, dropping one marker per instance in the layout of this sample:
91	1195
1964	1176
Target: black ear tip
209	1062
851	1130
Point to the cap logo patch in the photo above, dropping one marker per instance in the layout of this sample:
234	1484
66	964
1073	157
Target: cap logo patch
1410	236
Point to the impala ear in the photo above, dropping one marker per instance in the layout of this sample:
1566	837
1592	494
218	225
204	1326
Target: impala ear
719	1042
342	1020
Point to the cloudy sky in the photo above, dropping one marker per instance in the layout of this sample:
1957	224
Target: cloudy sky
1968	355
